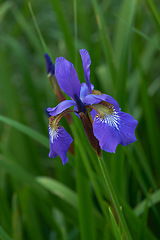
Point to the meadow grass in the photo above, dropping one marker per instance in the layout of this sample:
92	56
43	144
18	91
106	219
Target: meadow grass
39	197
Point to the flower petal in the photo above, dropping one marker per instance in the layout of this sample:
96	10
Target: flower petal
49	65
95	99
67	77
84	90
61	107
114	129
86	67
60	141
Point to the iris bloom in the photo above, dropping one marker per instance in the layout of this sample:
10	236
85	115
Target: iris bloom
105	124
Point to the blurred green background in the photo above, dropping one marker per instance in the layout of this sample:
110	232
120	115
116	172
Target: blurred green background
39	197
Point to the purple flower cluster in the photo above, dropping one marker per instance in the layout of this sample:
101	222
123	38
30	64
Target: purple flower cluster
105	124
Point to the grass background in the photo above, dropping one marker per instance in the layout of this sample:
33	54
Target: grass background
39	197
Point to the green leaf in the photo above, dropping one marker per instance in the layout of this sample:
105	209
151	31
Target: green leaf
85	202
4	9
27	130
153	199
155	13
116	229
3	234
59	190
107	47
122	46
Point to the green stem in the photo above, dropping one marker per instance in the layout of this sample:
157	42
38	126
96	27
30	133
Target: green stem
114	197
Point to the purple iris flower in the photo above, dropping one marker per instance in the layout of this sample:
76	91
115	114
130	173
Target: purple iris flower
105	124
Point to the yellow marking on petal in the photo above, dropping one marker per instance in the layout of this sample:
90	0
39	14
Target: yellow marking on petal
104	108
106	113
52	128
53	122
96	92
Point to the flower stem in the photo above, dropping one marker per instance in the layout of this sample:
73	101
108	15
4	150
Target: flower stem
114	198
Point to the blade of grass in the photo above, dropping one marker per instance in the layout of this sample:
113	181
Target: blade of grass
28	131
122	45
114	198
37	29
4	235
85	204
154	198
31	88
152	127
27	29
64	27
155	13
4	8
16	220
5	207
59	219
116	229
88	167
107	48
133	221
143	161
59	189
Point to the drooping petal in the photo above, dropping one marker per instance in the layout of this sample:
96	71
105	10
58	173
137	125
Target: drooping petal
113	129
86	67
49	65
67	77
107	135
59	141
62	106
127	128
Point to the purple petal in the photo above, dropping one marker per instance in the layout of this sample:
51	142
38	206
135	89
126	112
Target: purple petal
127	128
59	141
49	65
61	107
115	129
86	67
95	99
67	77
84	90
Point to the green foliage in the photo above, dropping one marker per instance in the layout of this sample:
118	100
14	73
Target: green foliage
39	197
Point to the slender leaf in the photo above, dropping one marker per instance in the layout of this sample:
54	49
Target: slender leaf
24	129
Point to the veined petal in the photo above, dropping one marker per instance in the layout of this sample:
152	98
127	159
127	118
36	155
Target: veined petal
127	128
113	128
62	106
59	141
86	67
107	135
67	77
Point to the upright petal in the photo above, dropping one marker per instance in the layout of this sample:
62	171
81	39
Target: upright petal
62	106
84	90
86	67
59	141
67	77
113	127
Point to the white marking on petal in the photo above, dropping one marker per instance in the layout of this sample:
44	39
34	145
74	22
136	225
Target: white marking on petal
113	120
52	133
